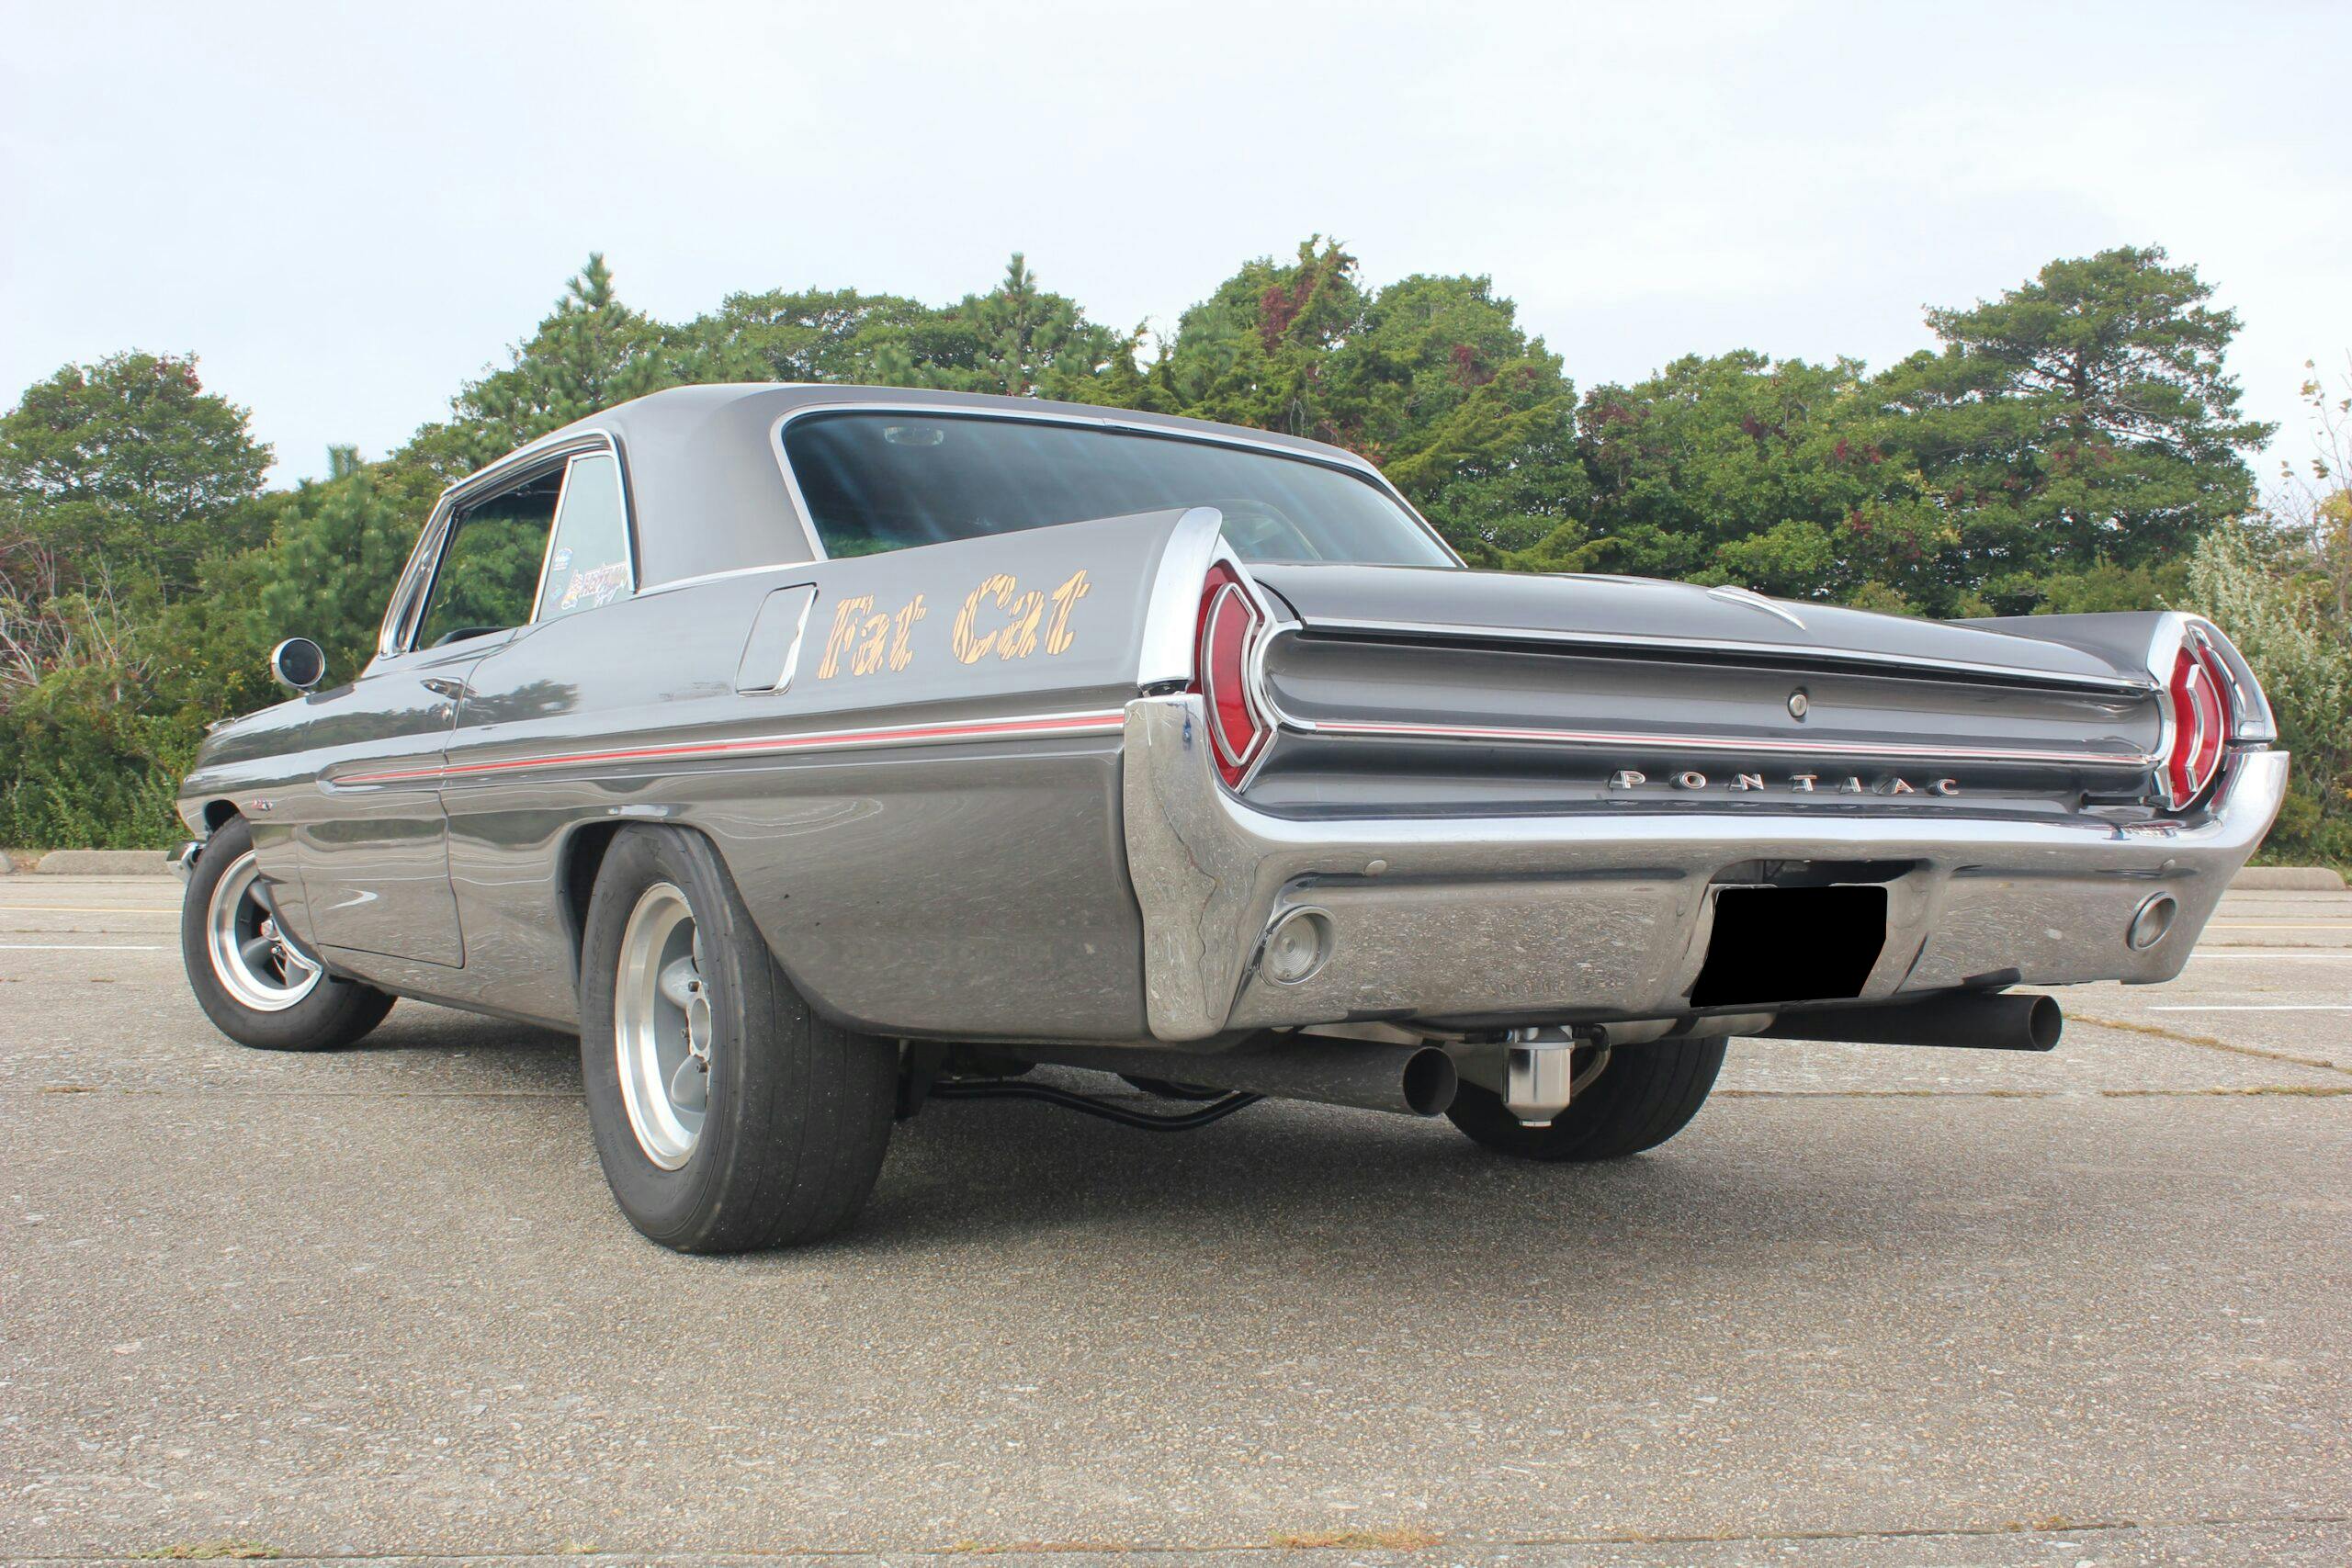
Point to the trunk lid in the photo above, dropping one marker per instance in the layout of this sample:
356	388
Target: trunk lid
1635	617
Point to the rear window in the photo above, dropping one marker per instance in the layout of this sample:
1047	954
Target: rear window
890	482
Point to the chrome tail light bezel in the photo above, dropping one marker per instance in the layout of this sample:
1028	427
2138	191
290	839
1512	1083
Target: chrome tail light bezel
2211	702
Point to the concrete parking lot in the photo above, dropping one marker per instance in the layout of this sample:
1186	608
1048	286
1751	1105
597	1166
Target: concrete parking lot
1877	1306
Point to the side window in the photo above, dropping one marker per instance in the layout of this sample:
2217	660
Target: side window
589	565
489	574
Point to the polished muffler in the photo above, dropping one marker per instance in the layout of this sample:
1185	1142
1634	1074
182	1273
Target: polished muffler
1969	1020
1408	1080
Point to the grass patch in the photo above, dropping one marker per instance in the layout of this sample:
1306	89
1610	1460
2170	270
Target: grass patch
992	1549
2161	1033
2310	1091
1405	1539
209	1552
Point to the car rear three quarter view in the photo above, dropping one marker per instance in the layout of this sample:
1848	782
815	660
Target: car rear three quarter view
814	752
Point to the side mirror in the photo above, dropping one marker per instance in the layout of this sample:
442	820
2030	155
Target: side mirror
298	664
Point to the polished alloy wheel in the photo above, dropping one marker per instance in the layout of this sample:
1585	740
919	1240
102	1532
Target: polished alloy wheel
663	1029
259	965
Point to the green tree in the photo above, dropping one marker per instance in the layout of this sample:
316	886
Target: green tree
125	472
1029	341
816	334
2081	421
1431	377
1765	473
1255	351
1018	339
591	353
2268	592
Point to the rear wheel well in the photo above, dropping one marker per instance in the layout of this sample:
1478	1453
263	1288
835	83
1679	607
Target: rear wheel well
218	814
583	855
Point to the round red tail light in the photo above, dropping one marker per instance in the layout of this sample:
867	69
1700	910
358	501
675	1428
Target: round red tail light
1231	622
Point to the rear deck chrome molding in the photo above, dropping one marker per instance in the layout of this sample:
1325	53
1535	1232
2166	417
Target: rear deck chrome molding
1106	721
1770	655
1619	741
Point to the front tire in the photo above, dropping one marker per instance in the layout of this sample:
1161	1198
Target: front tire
1643	1096
256	983
727	1115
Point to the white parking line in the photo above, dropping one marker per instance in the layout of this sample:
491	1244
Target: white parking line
2275	954
2254	1006
86	909
72	947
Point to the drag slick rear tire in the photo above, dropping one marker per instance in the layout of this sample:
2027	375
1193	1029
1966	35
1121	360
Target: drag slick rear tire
727	1115
255	983
1643	1096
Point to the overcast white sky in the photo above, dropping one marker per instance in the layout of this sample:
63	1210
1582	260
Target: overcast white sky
347	211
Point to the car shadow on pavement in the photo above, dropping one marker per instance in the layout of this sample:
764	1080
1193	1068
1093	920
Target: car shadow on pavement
1315	1192
1325	1190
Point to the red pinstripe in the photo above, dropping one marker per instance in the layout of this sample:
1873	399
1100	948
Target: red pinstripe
1102	722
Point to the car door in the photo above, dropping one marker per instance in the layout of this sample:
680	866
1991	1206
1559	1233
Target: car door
374	846
374	851
544	690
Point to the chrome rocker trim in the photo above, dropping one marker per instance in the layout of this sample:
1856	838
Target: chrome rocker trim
1606	917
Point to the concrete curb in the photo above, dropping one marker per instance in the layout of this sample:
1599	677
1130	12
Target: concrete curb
2289	878
105	863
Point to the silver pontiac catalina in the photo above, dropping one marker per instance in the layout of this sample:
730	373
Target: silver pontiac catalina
814	751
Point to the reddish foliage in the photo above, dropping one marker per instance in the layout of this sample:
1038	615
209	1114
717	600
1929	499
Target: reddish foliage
1466	368
1277	308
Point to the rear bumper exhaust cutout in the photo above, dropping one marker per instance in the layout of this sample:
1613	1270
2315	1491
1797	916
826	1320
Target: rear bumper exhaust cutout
1965	1022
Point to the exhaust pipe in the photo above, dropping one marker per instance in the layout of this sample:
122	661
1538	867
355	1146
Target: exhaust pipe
1972	1020
1408	1080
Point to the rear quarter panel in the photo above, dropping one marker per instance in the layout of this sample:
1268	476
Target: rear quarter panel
921	859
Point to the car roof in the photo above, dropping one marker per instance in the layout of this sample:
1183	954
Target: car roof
707	453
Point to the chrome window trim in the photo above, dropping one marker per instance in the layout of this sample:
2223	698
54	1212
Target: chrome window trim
546	551
698	579
1347	462
406	606
1858	659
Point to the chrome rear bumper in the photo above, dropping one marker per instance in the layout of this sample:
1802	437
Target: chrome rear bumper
1600	917
184	859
